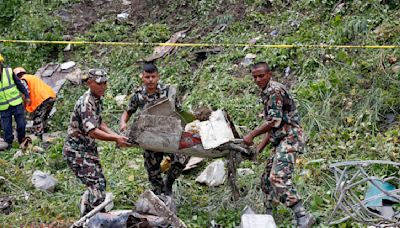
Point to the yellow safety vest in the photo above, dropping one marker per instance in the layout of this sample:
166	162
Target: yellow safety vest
9	93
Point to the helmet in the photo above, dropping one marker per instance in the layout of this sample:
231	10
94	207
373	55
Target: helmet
1	58
19	70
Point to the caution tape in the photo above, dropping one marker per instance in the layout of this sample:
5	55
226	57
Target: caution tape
311	46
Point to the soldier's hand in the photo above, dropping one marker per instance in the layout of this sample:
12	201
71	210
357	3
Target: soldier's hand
123	127
248	139
122	141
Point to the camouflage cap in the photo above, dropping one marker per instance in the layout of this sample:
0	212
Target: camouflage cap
98	75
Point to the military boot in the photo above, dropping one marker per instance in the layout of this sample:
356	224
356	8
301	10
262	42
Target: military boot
303	218
167	188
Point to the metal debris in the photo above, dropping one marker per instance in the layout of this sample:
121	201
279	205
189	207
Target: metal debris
43	181
193	163
162	51
67	65
213	175
250	219
352	176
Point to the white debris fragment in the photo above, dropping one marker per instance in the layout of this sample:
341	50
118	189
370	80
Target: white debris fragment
43	181
216	131
120	99
67	65
213	175
245	171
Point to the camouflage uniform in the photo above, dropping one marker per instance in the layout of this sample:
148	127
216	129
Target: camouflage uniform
80	149
40	116
287	138
152	159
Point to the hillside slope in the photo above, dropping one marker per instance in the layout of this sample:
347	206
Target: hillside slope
348	98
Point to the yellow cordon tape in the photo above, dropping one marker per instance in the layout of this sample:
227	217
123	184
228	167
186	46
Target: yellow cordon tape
314	46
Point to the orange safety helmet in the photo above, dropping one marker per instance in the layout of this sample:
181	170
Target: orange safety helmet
19	70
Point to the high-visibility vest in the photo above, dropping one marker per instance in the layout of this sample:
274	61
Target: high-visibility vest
9	93
39	91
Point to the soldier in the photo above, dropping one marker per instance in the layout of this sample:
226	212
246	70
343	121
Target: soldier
282	129
80	150
149	92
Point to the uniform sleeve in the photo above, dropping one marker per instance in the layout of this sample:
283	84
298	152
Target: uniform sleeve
133	104
25	84
88	114
274	107
20	86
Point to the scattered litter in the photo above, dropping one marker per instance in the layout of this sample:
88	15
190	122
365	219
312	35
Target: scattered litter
68	48
295	23
120	99
67	65
162	51
287	71
18	154
213	175
193	163
43	181
123	15
248	59
250	219
245	171
37	149
274	33
252	41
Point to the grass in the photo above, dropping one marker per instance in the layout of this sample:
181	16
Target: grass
343	96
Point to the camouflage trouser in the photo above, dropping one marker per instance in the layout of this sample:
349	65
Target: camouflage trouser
88	170
152	161
40	116
277	178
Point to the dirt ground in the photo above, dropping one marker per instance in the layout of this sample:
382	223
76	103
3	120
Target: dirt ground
81	16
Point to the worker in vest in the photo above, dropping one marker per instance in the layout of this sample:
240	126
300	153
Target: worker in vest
11	104
42	99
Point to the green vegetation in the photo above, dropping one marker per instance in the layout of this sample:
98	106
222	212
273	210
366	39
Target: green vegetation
344	95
